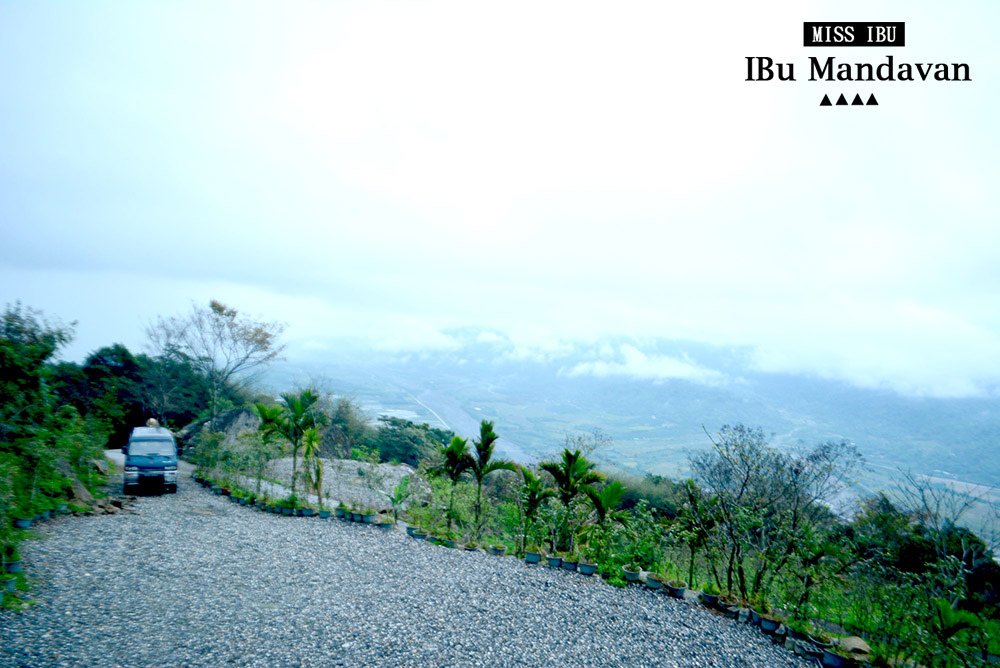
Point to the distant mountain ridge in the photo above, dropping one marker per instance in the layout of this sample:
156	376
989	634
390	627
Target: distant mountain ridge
653	398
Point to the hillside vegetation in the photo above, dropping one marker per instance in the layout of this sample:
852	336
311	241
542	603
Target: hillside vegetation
760	524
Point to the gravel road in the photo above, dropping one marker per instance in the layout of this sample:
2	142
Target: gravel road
194	580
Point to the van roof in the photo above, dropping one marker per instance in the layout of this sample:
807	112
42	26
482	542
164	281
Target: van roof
151	433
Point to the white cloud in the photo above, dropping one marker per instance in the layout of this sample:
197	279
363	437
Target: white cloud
633	363
385	174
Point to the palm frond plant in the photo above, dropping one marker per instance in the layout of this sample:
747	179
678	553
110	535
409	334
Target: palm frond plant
571	474
300	412
400	494
457	461
482	464
604	516
314	464
532	495
265	445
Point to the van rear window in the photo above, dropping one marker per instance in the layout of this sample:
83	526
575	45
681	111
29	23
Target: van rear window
158	446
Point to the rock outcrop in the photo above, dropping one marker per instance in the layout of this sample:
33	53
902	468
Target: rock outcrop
231	423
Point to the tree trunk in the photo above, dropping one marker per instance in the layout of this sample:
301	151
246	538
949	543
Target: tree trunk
479	500
451	505
694	553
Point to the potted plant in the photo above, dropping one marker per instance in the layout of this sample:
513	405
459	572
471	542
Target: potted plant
631	572
498	550
24	515
471	546
770	623
587	558
820	639
368	516
654	581
400	493
419	534
570	561
554	560
8	581
676	588
758	606
533	555
340	510
710	595
835	657
729	603
11	559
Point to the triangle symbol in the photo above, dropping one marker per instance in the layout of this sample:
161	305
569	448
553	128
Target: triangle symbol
856	102
826	102
872	101
841	102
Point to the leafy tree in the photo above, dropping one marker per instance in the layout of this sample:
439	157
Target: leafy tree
223	345
46	450
767	499
114	382
403	441
27	342
571	474
482	464
348	429
172	390
695	525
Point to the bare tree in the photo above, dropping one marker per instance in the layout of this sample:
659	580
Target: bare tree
224	346
949	510
768	500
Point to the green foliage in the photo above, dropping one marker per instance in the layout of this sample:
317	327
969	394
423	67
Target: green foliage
399	440
767	500
531	497
299	412
482	464
571	474
400	495
446	506
313	462
45	448
122	390
456	460
597	536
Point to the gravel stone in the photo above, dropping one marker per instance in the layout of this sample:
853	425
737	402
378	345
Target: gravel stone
191	579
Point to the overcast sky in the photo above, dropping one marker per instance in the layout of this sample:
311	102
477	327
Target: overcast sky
384	172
